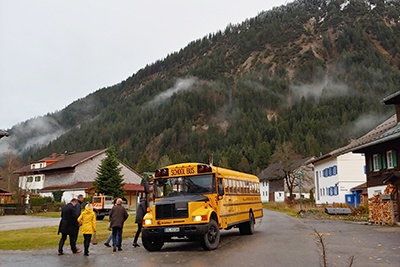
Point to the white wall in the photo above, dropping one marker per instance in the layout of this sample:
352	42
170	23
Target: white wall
279	196
34	185
264	190
376	190
349	173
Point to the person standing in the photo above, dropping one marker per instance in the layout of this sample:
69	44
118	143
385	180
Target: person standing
140	212
87	220
68	227
118	216
78	209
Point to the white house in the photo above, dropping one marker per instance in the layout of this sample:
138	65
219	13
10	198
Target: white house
72	173
335	174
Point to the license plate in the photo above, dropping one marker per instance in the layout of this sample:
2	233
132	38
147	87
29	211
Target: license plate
171	230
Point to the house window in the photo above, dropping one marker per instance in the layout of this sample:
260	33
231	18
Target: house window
391	159
376	162
37	178
29	179
334	170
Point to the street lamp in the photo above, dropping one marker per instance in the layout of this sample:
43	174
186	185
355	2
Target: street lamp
300	174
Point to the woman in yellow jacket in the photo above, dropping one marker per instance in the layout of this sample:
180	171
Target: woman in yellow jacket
87	220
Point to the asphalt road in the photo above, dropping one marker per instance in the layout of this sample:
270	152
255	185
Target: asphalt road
279	240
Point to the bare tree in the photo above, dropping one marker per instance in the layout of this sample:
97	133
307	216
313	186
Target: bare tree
288	161
9	179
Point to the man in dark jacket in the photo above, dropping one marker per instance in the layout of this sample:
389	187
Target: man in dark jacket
68	227
118	216
140	212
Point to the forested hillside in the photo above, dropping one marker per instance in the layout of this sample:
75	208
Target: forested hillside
311	72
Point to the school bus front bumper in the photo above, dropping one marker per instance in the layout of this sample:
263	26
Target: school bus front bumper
166	232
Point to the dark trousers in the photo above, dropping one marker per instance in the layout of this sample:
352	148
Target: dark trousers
139	230
117	236
72	242
86	242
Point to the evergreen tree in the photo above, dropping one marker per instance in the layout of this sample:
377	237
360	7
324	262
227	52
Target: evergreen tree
109	178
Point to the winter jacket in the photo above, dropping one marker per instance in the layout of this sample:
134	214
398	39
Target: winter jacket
141	211
87	220
68	224
118	216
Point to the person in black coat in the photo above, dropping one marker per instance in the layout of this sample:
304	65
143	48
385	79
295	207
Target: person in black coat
68	227
140	212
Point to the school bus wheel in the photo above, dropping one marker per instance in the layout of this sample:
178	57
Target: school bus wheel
210	239
247	228
151	244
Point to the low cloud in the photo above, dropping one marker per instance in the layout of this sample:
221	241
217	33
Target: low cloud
366	123
36	132
321	89
180	86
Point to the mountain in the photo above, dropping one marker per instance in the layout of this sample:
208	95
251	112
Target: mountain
311	72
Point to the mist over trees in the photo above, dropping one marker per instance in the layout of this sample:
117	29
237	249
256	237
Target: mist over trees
304	73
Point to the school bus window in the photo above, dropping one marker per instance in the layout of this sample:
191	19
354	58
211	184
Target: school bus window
230	186
225	182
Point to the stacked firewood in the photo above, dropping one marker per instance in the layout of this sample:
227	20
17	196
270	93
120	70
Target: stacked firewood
382	207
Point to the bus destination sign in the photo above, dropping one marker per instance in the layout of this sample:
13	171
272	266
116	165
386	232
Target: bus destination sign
183	170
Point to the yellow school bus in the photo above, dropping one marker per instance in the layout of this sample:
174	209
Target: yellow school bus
193	201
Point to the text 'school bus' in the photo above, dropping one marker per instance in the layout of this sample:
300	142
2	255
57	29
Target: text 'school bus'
193	201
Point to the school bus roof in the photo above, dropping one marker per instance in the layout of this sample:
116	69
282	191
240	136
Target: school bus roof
224	172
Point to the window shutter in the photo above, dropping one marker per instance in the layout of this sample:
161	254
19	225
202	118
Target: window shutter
394	158
370	164
379	161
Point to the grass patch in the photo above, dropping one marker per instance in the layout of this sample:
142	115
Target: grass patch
291	210
46	237
48	214
313	212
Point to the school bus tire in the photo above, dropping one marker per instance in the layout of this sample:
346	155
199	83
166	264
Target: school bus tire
247	228
151	244
210	240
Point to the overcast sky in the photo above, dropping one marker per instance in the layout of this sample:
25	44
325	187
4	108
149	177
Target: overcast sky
55	52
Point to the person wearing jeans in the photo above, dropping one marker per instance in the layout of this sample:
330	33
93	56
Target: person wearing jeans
118	216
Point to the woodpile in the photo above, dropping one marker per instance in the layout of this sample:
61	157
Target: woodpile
383	208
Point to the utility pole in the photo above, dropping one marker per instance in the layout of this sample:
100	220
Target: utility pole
300	174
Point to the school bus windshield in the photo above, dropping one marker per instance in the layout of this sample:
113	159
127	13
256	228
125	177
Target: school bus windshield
176	186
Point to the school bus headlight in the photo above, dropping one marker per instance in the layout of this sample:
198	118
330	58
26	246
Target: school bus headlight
199	218
148	221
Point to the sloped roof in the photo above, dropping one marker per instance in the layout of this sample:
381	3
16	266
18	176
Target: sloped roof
69	161
274	171
375	134
133	187
362	186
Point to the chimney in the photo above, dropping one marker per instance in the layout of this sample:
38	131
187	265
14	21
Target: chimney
54	156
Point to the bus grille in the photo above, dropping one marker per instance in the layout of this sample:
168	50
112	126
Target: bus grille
169	211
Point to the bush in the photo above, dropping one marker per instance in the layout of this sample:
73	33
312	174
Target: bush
39	201
361	210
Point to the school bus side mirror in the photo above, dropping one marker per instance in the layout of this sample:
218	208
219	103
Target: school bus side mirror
220	190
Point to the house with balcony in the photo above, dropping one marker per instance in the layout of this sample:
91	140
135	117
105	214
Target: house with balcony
70	172
339	172
382	165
